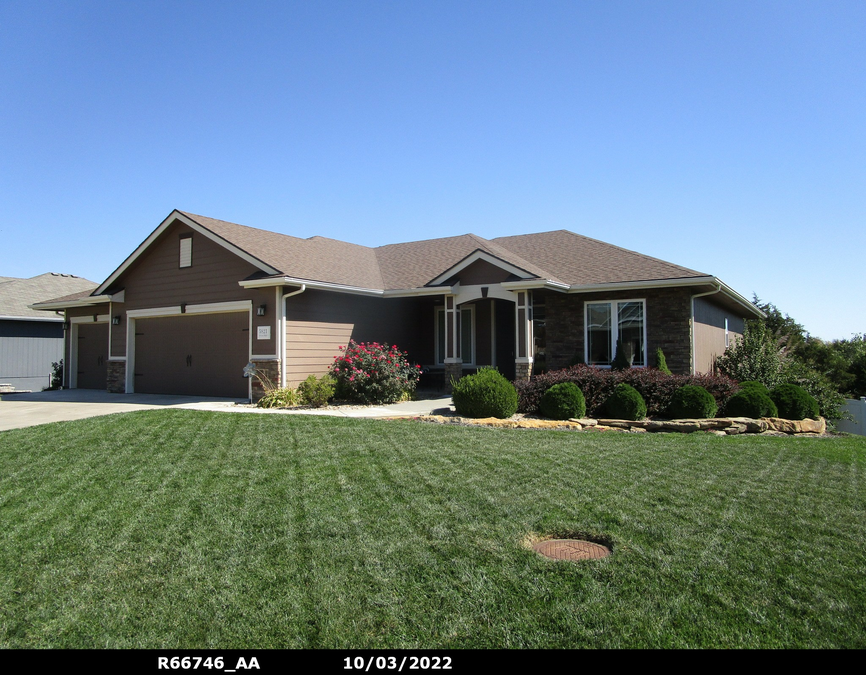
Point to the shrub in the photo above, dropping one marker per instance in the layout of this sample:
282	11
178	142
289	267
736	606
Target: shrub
794	403
563	401
755	356
754	384
317	392
597	385
279	398
625	403
374	373
692	401
620	360
750	402
56	376
485	394
829	400
661	362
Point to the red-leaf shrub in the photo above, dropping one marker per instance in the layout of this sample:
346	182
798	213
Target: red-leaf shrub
597	385
373	373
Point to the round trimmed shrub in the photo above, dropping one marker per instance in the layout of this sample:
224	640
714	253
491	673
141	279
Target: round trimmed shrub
794	403
692	402
625	403
485	394
754	384
750	402
563	401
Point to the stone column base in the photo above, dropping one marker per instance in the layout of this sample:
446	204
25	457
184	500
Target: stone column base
270	372
116	378
522	370
453	372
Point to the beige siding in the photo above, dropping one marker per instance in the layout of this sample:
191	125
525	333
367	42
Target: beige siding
319	323
709	332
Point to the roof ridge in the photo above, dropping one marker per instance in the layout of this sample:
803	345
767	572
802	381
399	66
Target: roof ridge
193	216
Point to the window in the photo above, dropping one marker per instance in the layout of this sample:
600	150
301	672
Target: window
607	322
186	252
466	329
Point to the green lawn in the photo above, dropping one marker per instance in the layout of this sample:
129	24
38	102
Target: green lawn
190	529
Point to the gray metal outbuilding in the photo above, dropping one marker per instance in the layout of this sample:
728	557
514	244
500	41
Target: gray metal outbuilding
31	340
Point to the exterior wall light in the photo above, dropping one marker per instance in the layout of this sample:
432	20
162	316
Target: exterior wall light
261	310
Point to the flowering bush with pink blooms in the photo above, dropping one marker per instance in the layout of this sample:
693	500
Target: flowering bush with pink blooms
372	373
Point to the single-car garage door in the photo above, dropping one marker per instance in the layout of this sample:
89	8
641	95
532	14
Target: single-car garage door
194	355
91	363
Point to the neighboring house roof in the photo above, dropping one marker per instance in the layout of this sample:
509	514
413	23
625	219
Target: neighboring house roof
16	295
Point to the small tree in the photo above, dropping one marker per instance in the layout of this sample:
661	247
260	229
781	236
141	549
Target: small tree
620	360
755	356
661	363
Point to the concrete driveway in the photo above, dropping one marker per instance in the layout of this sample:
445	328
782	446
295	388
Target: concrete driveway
27	410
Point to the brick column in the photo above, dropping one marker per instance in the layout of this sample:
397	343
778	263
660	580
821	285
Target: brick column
116	379
270	370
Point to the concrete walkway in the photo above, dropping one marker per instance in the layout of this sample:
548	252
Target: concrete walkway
27	410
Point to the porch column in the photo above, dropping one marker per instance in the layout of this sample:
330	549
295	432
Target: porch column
524	342
453	360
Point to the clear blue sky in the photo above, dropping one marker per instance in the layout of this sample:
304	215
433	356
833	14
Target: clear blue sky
729	137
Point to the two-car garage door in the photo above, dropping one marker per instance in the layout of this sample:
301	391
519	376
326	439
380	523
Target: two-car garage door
193	354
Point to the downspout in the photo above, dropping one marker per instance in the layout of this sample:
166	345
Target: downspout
281	333
692	322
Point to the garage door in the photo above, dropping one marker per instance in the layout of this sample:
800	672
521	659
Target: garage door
91	364
193	355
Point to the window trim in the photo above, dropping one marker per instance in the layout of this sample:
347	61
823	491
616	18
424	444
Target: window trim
614	332
438	349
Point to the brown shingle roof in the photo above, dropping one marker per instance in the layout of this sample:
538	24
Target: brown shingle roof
416	263
560	256
314	259
579	260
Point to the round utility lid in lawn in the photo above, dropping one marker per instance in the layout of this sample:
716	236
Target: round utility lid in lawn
571	549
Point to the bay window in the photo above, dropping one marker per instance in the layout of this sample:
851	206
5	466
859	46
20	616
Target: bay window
607	322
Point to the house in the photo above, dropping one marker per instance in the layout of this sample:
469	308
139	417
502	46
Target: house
200	298
31	340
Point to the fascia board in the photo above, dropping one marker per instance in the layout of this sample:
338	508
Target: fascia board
319	285
420	292
654	283
4	317
85	302
531	284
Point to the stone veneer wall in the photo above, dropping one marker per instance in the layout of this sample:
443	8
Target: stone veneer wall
522	371
271	369
453	371
116	379
668	322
